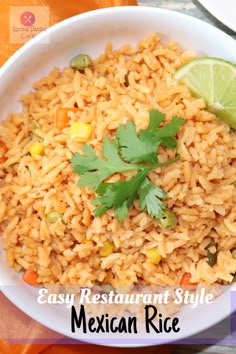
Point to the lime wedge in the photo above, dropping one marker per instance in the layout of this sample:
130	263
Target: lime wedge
214	80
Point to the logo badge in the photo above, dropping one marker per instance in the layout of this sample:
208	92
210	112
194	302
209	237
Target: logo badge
26	22
27	18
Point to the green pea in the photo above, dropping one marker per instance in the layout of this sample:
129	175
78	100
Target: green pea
212	257
107	288
80	62
168	220
233	252
53	217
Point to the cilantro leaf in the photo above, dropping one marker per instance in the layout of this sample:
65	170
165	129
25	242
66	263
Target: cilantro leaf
93	170
122	212
169	142
134	148
150	195
166	133
119	195
155	119
171	128
142	148
128	151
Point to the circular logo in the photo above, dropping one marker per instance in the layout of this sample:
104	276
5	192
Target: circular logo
27	19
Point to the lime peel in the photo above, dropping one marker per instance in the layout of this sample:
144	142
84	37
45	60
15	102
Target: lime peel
214	80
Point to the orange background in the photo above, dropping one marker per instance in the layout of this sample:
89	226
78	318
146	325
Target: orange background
58	10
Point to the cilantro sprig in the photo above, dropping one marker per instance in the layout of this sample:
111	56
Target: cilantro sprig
128	151
93	170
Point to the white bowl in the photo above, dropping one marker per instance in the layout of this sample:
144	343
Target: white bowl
89	33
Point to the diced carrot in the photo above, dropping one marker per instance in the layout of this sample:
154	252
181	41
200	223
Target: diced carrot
3	151
185	281
62	116
30	277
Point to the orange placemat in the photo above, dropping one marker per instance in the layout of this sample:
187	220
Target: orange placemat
22	19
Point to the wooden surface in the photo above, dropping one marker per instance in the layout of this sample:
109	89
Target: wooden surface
194	8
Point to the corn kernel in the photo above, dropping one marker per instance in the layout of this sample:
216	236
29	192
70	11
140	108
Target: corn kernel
36	149
54	216
107	249
153	256
88	242
80	131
